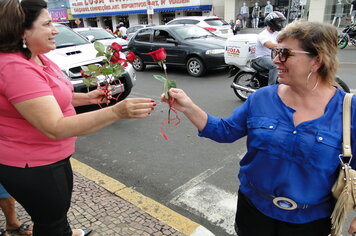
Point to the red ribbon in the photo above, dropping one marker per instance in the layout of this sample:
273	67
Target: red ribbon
107	92
163	134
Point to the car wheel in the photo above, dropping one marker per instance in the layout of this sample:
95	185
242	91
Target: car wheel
138	64
195	67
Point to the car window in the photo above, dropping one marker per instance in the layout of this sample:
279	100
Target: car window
67	37
143	35
215	22
191	32
97	33
175	22
190	22
160	36
135	28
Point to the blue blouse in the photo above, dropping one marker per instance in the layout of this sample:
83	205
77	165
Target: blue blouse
283	160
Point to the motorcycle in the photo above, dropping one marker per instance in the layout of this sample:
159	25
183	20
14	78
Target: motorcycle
252	77
248	75
348	36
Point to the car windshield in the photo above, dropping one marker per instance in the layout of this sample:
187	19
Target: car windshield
97	33
191	32
66	37
216	22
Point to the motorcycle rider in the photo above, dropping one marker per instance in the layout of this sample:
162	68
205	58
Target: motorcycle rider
266	40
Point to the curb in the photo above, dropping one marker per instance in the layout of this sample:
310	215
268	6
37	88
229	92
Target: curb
150	206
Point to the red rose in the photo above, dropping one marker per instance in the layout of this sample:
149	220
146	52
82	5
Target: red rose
117	47
130	56
158	55
115	57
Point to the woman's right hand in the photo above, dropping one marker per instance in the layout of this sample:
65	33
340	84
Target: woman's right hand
134	108
178	99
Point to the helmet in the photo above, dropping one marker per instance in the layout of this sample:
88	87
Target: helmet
275	20
121	23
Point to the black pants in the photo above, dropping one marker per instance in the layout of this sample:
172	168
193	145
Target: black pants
45	193
251	222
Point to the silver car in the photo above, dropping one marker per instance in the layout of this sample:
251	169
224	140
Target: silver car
99	34
213	24
73	51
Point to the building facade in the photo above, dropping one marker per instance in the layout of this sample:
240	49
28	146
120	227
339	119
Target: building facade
79	13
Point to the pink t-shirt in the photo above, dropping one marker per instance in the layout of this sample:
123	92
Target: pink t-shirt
20	80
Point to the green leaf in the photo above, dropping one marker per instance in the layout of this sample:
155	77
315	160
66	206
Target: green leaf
160	78
93	67
99	54
107	71
118	71
172	84
85	68
99	47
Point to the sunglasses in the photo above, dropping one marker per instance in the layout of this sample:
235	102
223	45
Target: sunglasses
284	53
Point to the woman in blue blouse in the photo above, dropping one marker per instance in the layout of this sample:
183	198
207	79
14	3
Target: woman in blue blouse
293	143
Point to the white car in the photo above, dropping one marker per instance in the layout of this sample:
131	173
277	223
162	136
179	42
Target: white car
214	24
99	34
73	51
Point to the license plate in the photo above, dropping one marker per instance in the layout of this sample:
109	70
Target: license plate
224	31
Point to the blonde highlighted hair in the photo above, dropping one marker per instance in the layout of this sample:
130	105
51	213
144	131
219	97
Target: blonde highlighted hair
319	40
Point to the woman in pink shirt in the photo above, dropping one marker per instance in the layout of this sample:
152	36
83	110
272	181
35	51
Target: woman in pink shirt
38	123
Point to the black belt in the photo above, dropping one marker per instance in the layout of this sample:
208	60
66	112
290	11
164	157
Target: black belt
282	202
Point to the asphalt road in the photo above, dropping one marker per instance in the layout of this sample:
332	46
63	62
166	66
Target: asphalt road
192	175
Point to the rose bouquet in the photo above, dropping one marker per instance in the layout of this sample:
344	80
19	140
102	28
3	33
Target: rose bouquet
107	75
160	57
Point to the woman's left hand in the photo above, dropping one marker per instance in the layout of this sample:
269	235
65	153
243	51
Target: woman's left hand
352	228
99	96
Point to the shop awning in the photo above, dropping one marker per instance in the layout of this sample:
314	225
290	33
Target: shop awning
144	11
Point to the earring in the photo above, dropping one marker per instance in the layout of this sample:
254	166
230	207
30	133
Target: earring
308	78
316	84
24	43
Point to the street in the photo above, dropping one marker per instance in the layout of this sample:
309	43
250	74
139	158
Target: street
193	176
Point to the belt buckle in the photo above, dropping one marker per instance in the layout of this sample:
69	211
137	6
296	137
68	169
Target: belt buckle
285	203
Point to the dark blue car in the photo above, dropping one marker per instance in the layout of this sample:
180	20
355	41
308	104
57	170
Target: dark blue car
188	46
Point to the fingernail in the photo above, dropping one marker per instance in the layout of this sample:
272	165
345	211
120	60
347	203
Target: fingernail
152	108
152	100
154	104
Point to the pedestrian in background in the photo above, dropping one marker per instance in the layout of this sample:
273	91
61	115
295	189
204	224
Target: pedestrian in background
13	225
123	30
38	123
117	31
293	143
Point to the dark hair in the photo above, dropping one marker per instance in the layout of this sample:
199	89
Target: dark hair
15	18
32	9
11	29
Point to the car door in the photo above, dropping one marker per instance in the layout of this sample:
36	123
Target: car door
175	53
142	44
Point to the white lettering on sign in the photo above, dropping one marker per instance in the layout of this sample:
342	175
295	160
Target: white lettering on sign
107	6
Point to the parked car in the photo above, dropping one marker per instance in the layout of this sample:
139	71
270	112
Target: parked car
188	46
73	51
214	24
99	34
132	29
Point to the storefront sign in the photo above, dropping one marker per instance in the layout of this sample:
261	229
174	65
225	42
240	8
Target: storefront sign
59	14
100	7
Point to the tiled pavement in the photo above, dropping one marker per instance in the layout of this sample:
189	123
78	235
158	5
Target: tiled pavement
112	209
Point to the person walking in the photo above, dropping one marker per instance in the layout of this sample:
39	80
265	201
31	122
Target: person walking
38	123
293	143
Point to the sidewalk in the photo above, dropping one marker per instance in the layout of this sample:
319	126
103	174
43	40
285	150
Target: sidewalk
113	209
